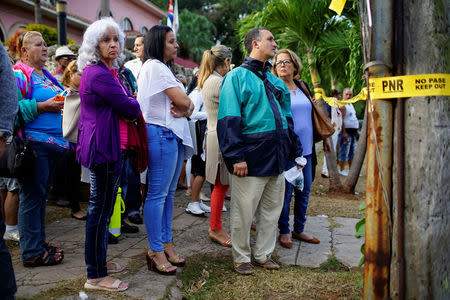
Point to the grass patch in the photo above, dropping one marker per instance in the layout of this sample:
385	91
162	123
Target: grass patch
333	265
333	224
211	276
334	207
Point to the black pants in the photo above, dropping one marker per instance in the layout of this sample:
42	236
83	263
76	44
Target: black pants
67	180
7	280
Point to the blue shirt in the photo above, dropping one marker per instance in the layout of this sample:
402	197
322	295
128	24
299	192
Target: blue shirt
47	127
301	110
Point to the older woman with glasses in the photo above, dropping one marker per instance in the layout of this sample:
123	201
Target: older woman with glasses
103	100
41	114
287	65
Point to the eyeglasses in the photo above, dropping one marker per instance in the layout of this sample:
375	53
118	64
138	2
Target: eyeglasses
283	62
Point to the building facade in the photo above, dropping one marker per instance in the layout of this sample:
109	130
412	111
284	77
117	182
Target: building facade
134	16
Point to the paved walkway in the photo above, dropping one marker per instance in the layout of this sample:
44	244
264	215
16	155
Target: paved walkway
190	237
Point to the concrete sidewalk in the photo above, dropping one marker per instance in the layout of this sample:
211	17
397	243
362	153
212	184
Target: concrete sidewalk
190	237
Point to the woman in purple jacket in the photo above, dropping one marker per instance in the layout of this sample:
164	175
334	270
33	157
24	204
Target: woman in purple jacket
103	100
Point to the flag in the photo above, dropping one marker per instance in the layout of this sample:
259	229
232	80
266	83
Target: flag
336	5
172	17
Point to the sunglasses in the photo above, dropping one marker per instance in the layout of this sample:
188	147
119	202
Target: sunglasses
22	36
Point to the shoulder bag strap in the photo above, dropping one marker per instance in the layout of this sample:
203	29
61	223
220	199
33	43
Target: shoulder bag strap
276	92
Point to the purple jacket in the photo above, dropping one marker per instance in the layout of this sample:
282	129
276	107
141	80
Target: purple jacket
102	102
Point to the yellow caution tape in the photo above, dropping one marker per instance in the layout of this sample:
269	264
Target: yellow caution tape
337	6
319	93
410	86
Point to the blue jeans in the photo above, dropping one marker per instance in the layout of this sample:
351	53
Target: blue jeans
7	280
130	183
166	154
347	151
301	201
104	185
33	198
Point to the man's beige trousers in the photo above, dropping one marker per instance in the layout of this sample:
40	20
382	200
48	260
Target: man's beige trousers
261	198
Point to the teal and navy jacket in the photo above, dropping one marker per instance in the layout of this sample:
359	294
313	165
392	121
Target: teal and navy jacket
253	126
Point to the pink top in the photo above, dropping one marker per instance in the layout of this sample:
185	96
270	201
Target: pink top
123	127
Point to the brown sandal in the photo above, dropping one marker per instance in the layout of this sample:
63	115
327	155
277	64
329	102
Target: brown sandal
160	269
176	259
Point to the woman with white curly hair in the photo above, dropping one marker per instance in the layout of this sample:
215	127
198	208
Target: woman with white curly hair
103	100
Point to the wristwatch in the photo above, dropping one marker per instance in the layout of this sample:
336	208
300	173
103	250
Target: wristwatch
4	135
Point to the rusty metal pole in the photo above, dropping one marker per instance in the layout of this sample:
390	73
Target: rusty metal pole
379	158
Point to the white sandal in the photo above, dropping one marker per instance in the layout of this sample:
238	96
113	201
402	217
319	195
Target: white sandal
114	286
117	268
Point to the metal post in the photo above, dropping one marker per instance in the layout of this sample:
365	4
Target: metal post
62	24
379	159
104	9
37	12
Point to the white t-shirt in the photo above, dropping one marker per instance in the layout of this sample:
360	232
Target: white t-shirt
135	66
154	78
350	119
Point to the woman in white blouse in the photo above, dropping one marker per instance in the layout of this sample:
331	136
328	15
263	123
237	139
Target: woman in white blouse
165	106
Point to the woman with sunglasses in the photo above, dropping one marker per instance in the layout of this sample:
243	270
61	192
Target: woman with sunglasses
287	66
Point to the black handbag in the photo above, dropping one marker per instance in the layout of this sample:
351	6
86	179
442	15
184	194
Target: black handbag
19	158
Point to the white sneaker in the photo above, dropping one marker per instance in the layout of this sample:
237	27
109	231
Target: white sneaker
343	173
224	208
204	207
203	197
195	209
12	235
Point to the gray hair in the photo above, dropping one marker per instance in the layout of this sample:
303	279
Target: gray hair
89	54
348	89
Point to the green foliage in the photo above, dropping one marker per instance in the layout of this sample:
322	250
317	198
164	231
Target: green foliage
360	232
49	34
304	26
194	35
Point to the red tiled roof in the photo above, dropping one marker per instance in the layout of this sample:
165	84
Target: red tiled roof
185	63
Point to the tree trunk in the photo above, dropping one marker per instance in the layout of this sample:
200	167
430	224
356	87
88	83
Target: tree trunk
358	160
37	12
427	175
335	181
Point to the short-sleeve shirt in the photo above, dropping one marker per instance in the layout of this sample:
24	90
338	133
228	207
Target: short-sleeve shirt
154	78
47	127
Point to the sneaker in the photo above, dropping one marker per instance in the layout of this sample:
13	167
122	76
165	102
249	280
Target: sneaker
127	228
343	173
204	207
224	208
12	235
204	197
193	208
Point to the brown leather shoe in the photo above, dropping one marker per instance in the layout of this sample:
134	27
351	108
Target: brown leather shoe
284	244
268	264
244	268
312	240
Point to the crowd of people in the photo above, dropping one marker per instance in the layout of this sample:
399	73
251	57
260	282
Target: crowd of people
134	126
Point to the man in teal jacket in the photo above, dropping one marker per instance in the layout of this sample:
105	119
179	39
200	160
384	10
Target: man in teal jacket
256	138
